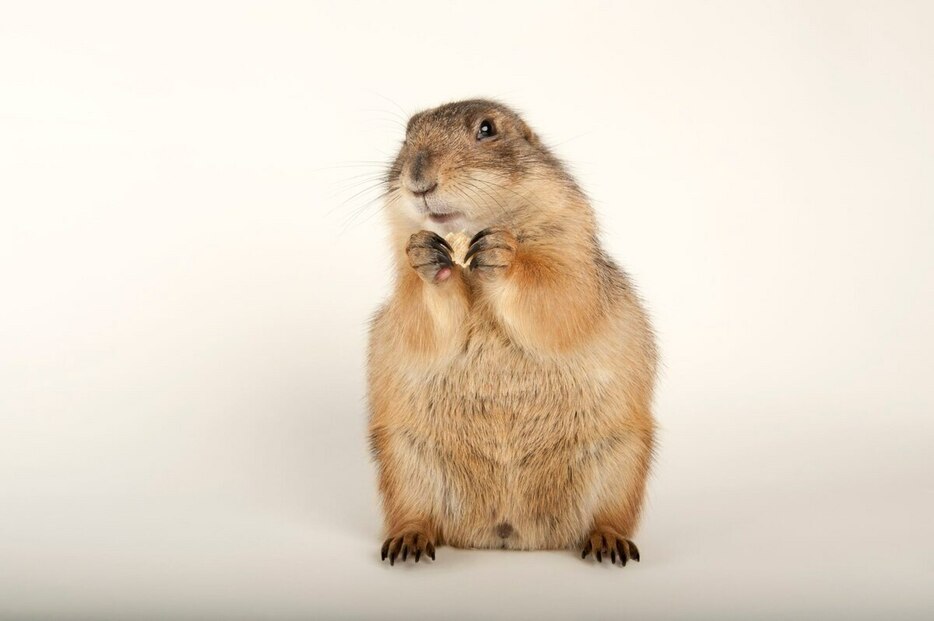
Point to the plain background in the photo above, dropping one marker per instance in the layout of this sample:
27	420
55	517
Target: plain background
189	258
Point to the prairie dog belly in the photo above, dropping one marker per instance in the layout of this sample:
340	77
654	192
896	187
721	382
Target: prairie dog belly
514	449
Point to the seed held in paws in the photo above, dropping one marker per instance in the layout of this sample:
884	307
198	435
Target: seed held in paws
460	242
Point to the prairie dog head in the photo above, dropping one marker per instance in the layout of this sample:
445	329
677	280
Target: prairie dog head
467	165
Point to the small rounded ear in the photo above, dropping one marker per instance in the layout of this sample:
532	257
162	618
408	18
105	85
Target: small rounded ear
527	132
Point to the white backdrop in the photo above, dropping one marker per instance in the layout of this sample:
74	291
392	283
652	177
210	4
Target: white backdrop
188	262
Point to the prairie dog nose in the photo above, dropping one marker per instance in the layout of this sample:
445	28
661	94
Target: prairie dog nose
426	190
421	178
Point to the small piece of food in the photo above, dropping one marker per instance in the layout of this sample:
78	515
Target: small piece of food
460	242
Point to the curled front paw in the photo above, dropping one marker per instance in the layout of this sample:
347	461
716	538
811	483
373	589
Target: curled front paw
605	542
491	250
430	255
406	543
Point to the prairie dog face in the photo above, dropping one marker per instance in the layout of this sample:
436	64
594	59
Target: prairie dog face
465	165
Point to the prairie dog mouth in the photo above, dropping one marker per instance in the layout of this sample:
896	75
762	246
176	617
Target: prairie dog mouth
441	218
438	211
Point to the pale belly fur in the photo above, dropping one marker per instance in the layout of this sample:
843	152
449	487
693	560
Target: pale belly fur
510	445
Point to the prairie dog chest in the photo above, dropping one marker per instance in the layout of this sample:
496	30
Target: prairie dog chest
499	403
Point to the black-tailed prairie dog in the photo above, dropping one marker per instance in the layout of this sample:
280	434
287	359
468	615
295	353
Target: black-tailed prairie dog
510	373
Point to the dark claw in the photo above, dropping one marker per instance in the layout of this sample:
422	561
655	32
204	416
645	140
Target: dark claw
472	250
475	265
442	264
443	241
418	554
405	552
612	555
587	549
622	552
480	234
479	244
385	549
439	244
442	256
482	243
392	555
431	550
434	240
633	552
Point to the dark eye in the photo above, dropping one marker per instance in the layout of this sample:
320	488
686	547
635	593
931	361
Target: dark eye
486	130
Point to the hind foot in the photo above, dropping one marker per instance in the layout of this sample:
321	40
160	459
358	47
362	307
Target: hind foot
402	544
604	542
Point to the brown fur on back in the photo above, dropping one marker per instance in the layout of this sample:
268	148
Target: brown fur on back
510	403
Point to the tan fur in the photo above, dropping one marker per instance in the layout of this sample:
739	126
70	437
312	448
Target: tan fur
518	394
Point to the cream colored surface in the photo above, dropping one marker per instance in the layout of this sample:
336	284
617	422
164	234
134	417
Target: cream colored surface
460	243
185	299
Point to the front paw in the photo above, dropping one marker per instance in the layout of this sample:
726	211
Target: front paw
603	541
408	542
430	255
491	251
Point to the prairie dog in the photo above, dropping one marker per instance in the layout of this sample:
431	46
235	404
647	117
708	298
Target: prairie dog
510	390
